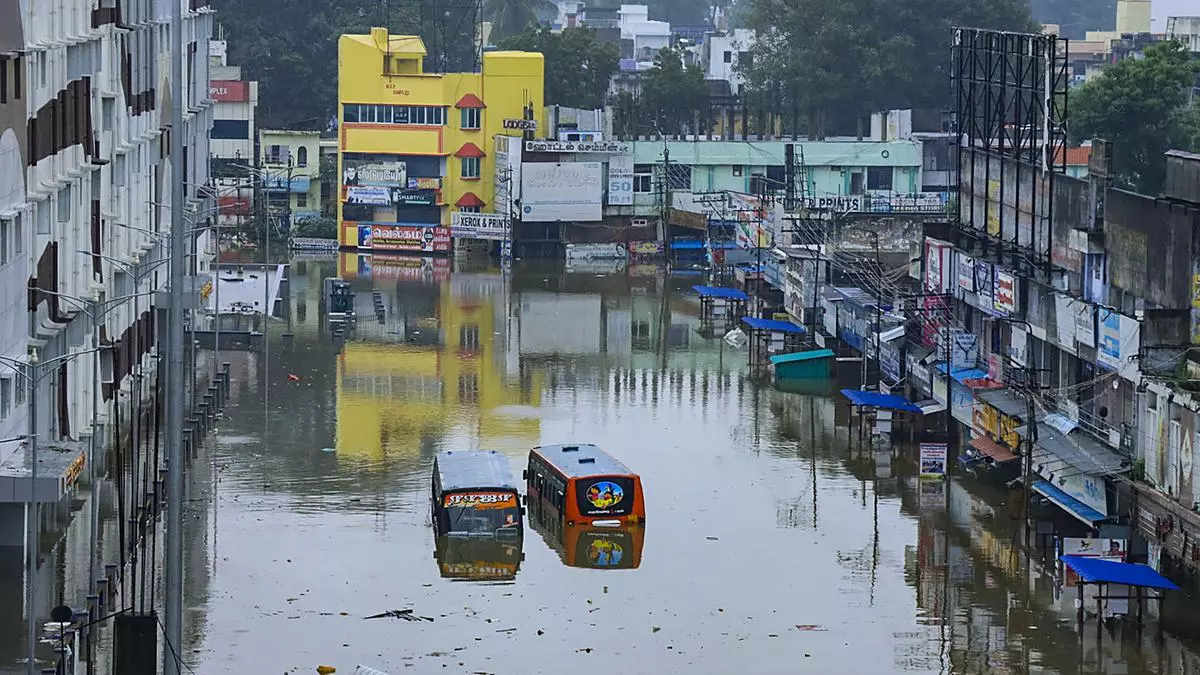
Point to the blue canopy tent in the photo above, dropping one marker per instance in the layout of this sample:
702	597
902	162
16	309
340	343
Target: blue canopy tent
1099	571
720	303
771	336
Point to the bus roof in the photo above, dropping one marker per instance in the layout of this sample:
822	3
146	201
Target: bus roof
577	460
473	469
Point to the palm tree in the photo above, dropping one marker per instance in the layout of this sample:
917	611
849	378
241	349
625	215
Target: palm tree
510	17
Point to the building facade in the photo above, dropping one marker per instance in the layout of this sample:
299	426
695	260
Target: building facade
235	106
413	146
290	162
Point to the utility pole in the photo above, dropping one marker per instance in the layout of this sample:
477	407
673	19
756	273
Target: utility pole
33	526
173	563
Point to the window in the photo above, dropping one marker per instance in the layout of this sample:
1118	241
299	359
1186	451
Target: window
6	387
19	233
20	393
643	178
468	337
737	171
641	334
230	130
879	178
470	167
301	201
424	115
856	183
108	107
728	57
64	204
302	156
5	227
470	118
118	171
276	154
468	209
468	388
43	217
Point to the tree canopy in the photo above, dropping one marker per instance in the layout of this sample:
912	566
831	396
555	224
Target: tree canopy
1141	105
672	94
510	17
578	65
846	58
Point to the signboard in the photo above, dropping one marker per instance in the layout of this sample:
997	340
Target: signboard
229	91
1085	324
404	267
434	183
620	180
493	226
1113	550
933	460
966	273
935	273
834	203
413	197
1004	293
373	195
611	147
521	125
552	191
646	247
358	171
402	237
508	173
1108	351
480	500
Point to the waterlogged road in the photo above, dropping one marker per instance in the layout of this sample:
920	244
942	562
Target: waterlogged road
770	547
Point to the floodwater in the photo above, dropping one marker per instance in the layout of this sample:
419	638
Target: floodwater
771	546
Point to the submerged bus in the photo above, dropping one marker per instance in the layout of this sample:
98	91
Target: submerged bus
474	495
583	485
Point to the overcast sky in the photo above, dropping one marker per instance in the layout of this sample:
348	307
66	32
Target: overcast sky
1161	9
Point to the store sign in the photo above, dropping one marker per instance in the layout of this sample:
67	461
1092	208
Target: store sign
403	237
370	195
493	226
935	272
425	183
611	147
620	180
646	247
521	125
383	174
933	460
229	91
413	197
1005	293
1108	351
966	273
846	204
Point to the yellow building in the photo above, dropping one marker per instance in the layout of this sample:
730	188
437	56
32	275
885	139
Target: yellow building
416	146
390	397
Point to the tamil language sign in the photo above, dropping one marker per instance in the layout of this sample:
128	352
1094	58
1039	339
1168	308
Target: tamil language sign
479	225
358	171
612	147
933	460
414	237
521	125
369	194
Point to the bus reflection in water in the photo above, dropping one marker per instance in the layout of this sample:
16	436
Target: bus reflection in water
587	546
463	559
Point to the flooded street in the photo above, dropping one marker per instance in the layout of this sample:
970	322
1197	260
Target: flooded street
770	547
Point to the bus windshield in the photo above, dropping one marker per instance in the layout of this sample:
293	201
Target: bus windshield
481	514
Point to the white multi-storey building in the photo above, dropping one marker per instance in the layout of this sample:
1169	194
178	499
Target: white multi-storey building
85	183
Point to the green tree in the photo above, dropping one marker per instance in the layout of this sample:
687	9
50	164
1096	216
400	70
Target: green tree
842	59
672	94
578	65
511	17
1141	105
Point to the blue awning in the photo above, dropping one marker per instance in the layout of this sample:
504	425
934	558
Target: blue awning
1068	503
1099	571
962	374
878	400
756	323
720	292
687	245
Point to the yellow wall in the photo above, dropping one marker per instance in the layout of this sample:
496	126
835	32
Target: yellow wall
508	81
364	418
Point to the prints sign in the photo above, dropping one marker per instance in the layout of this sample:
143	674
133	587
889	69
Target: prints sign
415	238
846	204
521	125
611	147
933	460
1005	293
493	226
229	91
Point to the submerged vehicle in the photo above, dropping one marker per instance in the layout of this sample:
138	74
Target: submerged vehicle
583	485
474	495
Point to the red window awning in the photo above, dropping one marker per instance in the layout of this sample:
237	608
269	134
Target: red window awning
997	452
469	149
469	101
469	199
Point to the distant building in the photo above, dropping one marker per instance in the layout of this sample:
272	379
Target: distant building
641	38
291	163
235	106
721	55
416	146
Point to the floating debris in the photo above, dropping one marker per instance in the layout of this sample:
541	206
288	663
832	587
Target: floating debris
406	614
810	627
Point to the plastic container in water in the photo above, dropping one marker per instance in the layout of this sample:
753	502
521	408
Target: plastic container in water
367	670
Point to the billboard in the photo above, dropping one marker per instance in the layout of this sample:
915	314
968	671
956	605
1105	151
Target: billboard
229	91
374	195
402	237
553	192
620	180
508	173
360	171
479	225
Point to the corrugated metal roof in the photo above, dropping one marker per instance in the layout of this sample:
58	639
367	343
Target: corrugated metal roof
1005	400
1078	451
471	469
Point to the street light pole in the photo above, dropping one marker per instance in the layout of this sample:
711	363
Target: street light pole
33	525
173	562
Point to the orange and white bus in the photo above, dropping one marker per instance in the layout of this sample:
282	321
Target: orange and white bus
583	485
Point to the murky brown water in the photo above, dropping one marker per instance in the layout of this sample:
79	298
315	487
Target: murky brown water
770	546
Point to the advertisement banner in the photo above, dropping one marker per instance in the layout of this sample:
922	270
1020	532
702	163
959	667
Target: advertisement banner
935	268
1108	351
372	195
358	171
413	197
434	183
933	460
492	226
646	247
984	285
613	147
966	273
1005	293
561	192
229	91
1085	324
620	180
400	237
